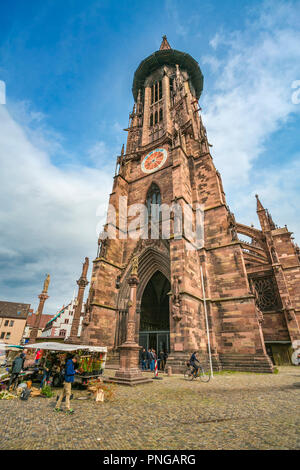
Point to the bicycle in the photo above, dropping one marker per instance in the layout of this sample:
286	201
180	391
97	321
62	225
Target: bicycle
191	374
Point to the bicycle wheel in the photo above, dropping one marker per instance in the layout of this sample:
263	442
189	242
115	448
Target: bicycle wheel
188	374
204	376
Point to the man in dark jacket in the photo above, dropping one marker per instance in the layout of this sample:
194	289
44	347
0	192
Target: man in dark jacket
17	367
144	359
47	370
149	358
67	387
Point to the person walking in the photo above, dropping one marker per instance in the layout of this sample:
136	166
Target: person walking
17	367
67	386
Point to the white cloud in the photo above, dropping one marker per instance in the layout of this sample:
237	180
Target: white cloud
48	217
252	99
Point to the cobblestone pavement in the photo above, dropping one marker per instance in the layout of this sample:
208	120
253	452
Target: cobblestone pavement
232	411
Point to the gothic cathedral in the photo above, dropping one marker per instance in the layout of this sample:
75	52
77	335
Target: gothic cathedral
248	290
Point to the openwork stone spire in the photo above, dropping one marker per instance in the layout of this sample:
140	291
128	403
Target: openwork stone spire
164	45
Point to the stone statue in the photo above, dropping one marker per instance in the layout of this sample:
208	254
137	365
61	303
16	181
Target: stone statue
46	283
175	289
176	299
135	266
85	267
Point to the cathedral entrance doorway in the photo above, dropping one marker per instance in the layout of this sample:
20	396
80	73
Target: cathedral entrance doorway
154	320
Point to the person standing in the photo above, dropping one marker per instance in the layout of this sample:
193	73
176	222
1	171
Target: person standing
37	357
47	370
149	358
153	357
144	359
67	386
17	367
161	365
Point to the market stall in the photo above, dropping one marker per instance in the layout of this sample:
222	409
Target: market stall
91	359
8	352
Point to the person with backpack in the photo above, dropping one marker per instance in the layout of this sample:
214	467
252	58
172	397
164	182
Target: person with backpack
17	367
67	386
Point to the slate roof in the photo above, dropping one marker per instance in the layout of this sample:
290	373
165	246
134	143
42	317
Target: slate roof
44	319
13	310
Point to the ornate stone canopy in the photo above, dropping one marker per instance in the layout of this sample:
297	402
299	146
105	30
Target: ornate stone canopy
168	57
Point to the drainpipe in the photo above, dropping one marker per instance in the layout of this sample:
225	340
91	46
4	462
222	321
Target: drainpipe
206	321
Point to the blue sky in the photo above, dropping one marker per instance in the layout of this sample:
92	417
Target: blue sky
68	68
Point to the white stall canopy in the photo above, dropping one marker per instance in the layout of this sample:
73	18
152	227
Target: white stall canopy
52	346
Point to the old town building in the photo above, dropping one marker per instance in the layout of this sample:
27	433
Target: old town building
58	327
13	316
30	322
246	279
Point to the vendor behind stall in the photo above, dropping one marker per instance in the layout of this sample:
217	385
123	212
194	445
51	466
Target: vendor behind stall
48	364
17	367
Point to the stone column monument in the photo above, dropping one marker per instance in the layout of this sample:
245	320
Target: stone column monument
43	297
82	283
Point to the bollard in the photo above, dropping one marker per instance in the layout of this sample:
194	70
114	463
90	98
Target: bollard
169	371
156	372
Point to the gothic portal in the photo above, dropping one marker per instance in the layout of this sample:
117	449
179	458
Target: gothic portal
250	286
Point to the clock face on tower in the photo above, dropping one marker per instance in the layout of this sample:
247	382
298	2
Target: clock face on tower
154	160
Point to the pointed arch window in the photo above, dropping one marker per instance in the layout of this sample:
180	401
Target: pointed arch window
156	91
153	197
151	119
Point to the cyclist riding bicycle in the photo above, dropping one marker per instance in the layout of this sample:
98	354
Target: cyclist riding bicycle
193	361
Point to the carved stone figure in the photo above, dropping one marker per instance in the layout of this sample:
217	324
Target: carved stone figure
46	283
134	266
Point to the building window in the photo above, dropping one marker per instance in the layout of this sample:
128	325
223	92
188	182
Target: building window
160	114
6	322
2	334
151	120
267	294
155	117
153	196
7	336
66	320
160	90
11	323
156	92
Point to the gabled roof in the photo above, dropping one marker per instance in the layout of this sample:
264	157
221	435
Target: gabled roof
57	315
43	321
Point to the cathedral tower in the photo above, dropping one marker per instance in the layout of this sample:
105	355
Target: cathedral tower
167	161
